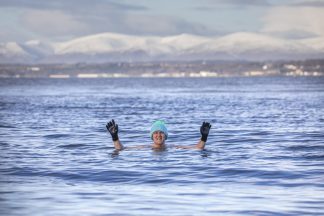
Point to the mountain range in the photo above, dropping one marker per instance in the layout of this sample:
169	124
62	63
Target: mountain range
112	47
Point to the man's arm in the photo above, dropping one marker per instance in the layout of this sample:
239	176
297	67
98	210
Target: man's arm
113	130
200	145
118	145
204	130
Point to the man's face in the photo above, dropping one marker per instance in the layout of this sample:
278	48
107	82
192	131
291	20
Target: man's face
158	137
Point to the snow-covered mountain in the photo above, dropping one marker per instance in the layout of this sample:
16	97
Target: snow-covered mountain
109	47
38	49
12	50
28	52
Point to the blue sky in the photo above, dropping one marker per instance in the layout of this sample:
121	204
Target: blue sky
59	20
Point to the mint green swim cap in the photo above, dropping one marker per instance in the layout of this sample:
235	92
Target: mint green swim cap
159	126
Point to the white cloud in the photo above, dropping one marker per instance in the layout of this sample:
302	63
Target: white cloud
51	23
161	25
58	25
309	20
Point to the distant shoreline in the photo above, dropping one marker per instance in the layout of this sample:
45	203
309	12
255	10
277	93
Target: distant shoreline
165	69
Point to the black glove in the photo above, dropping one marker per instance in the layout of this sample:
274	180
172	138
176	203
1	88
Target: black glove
113	129
204	130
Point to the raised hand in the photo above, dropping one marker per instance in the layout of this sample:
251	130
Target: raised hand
204	130
113	129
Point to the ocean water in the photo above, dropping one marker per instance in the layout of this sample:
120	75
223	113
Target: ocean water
264	154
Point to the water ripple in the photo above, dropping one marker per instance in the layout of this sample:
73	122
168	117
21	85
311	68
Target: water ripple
264	155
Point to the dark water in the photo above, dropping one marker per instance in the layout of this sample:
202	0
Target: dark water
264	155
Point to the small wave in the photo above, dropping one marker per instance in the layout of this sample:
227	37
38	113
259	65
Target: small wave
306	147
311	202
256	212
259	133
105	176
4	144
111	176
19	171
313	157
56	136
262	174
6	126
286	184
71	146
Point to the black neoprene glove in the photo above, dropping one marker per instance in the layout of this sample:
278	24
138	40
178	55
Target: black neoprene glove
204	130
113	129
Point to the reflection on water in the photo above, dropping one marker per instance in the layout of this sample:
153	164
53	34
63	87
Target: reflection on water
264	154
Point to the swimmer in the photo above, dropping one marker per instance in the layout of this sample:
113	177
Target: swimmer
159	134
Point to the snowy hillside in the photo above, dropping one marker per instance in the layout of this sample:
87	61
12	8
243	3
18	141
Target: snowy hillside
107	47
12	49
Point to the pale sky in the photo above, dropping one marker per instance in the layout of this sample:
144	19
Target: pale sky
59	20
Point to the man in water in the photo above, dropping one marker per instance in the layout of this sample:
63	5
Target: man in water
159	134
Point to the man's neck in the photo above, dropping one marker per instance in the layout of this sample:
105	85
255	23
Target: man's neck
158	146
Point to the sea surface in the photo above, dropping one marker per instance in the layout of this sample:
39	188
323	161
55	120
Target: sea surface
264	154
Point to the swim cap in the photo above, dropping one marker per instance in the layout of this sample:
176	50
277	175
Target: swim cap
159	126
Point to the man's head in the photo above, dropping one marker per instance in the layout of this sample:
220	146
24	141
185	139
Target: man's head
159	132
